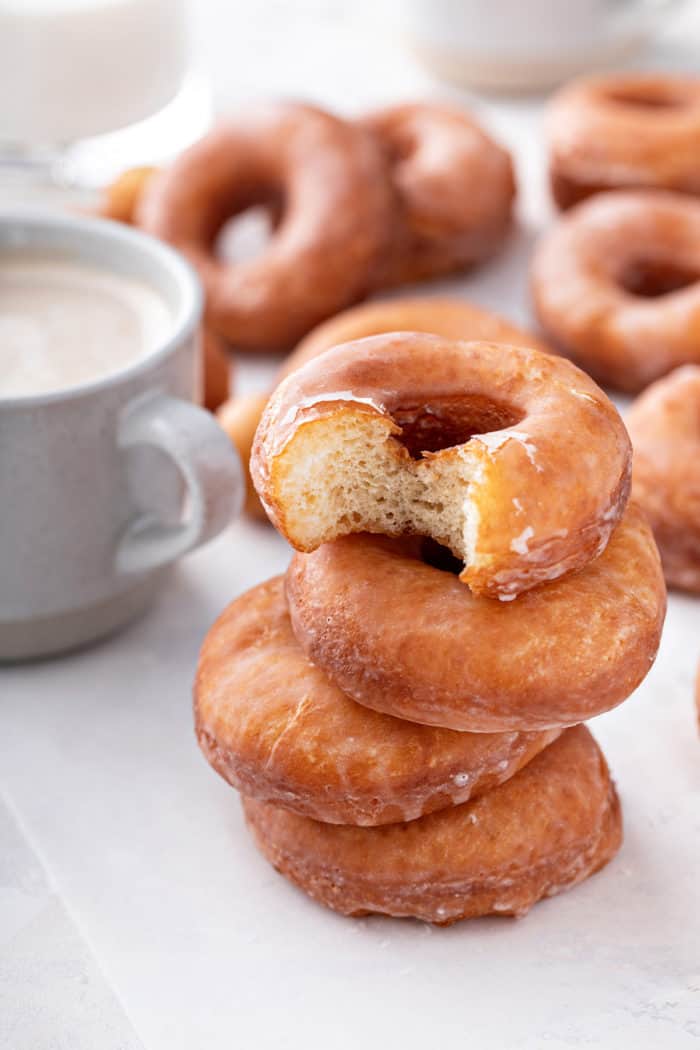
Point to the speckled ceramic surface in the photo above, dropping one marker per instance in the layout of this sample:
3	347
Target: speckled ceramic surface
92	478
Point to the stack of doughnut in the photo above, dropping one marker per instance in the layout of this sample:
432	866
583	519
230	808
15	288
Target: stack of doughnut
402	711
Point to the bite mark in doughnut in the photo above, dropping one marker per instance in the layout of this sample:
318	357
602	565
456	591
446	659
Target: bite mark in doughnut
463	442
275	727
455	187
616	285
624	132
328	180
543	831
664	424
452	318
403	637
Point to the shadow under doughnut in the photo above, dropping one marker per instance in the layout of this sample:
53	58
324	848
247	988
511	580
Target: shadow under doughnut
624	131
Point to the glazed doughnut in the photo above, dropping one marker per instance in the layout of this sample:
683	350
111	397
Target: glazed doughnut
277	729
546	829
337	219
405	637
239	417
455	187
463	442
616	284
452	318
664	424
623	132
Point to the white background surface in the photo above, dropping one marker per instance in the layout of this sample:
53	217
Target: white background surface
134	911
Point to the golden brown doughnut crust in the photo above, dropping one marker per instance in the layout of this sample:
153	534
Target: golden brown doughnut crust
616	285
623	132
403	637
338	213
455	187
567	433
546	829
664	424
277	729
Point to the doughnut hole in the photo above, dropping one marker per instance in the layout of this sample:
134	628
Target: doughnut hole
246	234
651	278
450	421
356	470
438	557
646	95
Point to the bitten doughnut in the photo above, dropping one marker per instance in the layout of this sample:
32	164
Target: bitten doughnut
329	181
616	285
277	729
463	442
624	131
546	829
455	187
452	318
404	637
664	424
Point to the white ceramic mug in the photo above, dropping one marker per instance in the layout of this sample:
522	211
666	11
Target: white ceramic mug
92	513
512	44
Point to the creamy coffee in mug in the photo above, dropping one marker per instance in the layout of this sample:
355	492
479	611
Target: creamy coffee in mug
64	323
109	470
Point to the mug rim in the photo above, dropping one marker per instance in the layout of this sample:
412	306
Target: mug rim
186	319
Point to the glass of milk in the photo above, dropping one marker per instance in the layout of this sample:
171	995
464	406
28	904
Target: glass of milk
75	73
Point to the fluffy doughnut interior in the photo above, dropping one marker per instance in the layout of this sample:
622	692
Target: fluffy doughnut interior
357	470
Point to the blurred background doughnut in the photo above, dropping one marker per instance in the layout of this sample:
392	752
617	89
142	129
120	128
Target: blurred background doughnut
327	181
624	131
455	187
616	285
664	424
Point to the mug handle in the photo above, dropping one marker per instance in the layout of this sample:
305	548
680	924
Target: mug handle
210	467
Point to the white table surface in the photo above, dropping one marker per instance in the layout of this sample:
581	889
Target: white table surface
134	910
